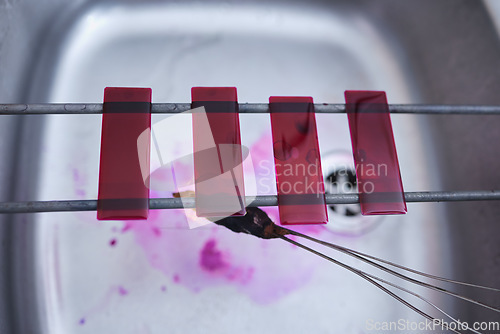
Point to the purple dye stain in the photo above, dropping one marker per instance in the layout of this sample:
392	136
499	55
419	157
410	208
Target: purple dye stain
104	303
122	291
211	259
156	231
112	242
76	175
79	183
163	288
264	270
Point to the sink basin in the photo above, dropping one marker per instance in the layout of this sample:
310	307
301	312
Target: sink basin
69	273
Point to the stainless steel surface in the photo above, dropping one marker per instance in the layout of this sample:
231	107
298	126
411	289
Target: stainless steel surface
244	108
433	52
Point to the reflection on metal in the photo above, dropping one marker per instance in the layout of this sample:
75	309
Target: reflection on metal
244	108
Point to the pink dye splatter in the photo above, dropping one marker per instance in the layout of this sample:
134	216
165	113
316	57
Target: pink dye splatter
264	270
112	242
104	303
211	258
156	231
263	159
163	288
76	175
79	182
122	291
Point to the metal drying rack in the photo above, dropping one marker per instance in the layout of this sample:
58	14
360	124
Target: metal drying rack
244	108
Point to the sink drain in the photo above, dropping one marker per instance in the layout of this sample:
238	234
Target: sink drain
339	176
342	181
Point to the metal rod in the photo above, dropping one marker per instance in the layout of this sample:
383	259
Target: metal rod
271	200
245	108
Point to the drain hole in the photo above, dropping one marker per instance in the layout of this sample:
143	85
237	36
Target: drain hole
343	181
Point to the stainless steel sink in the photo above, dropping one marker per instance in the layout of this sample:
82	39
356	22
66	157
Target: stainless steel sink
67	272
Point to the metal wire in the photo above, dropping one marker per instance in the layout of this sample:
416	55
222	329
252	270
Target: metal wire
245	108
272	200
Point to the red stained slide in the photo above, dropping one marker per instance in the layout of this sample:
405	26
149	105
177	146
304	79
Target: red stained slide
377	167
123	193
299	180
219	184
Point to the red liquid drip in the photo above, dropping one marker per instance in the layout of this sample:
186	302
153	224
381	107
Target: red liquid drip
301	193
123	194
218	170
375	156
